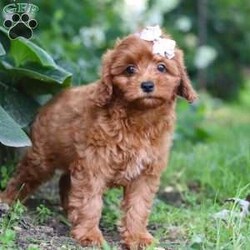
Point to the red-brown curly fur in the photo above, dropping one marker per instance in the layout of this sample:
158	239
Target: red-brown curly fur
108	133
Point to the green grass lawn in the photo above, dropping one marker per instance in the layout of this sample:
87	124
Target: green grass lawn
205	174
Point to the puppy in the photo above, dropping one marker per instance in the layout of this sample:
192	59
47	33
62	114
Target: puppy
114	132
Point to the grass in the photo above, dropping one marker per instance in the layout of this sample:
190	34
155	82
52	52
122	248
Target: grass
7	234
219	165
43	213
220	169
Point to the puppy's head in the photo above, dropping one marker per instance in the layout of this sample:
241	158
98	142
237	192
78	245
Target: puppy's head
137	75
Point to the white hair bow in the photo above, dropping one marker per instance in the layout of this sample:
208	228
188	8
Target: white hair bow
162	46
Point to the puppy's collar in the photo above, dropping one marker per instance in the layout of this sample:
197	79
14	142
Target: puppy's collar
162	46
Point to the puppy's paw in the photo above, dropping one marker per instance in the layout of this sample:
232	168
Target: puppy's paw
91	238
137	241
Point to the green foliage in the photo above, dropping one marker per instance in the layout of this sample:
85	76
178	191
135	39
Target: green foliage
5	173
7	234
111	210
16	213
43	213
10	132
227	32
106	246
219	164
78	43
190	121
26	72
7	239
159	212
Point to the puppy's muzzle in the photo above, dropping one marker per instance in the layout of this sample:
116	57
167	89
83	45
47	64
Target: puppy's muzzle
147	86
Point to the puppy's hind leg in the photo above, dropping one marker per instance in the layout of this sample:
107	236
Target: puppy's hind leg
31	171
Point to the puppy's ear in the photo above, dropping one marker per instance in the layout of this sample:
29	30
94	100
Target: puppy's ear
185	88
105	88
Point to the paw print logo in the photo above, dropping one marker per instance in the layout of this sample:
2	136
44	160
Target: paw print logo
20	26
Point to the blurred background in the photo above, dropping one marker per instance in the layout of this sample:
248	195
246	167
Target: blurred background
214	35
68	43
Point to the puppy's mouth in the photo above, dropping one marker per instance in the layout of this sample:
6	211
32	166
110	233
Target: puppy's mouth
150	97
149	101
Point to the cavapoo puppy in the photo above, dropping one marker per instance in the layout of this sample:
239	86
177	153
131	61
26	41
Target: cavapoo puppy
116	132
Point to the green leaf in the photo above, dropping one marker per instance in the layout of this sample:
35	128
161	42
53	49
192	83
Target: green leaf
40	80
2	50
5	41
5	64
24	51
55	74
11	133
19	106
35	79
27	63
3	31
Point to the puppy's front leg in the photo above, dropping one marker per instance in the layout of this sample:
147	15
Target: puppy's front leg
85	204
138	197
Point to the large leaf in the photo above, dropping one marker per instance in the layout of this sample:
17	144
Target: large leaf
24	51
11	133
26	60
44	74
4	63
19	106
35	79
4	39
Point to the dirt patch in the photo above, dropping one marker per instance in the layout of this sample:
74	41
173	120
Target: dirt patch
54	232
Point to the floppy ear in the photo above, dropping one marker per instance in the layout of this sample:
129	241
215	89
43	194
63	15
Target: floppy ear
185	88
105	88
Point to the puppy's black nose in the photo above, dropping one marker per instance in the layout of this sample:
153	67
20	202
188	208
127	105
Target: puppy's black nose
147	87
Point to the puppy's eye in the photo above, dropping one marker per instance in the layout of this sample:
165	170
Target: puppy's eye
162	68
130	70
